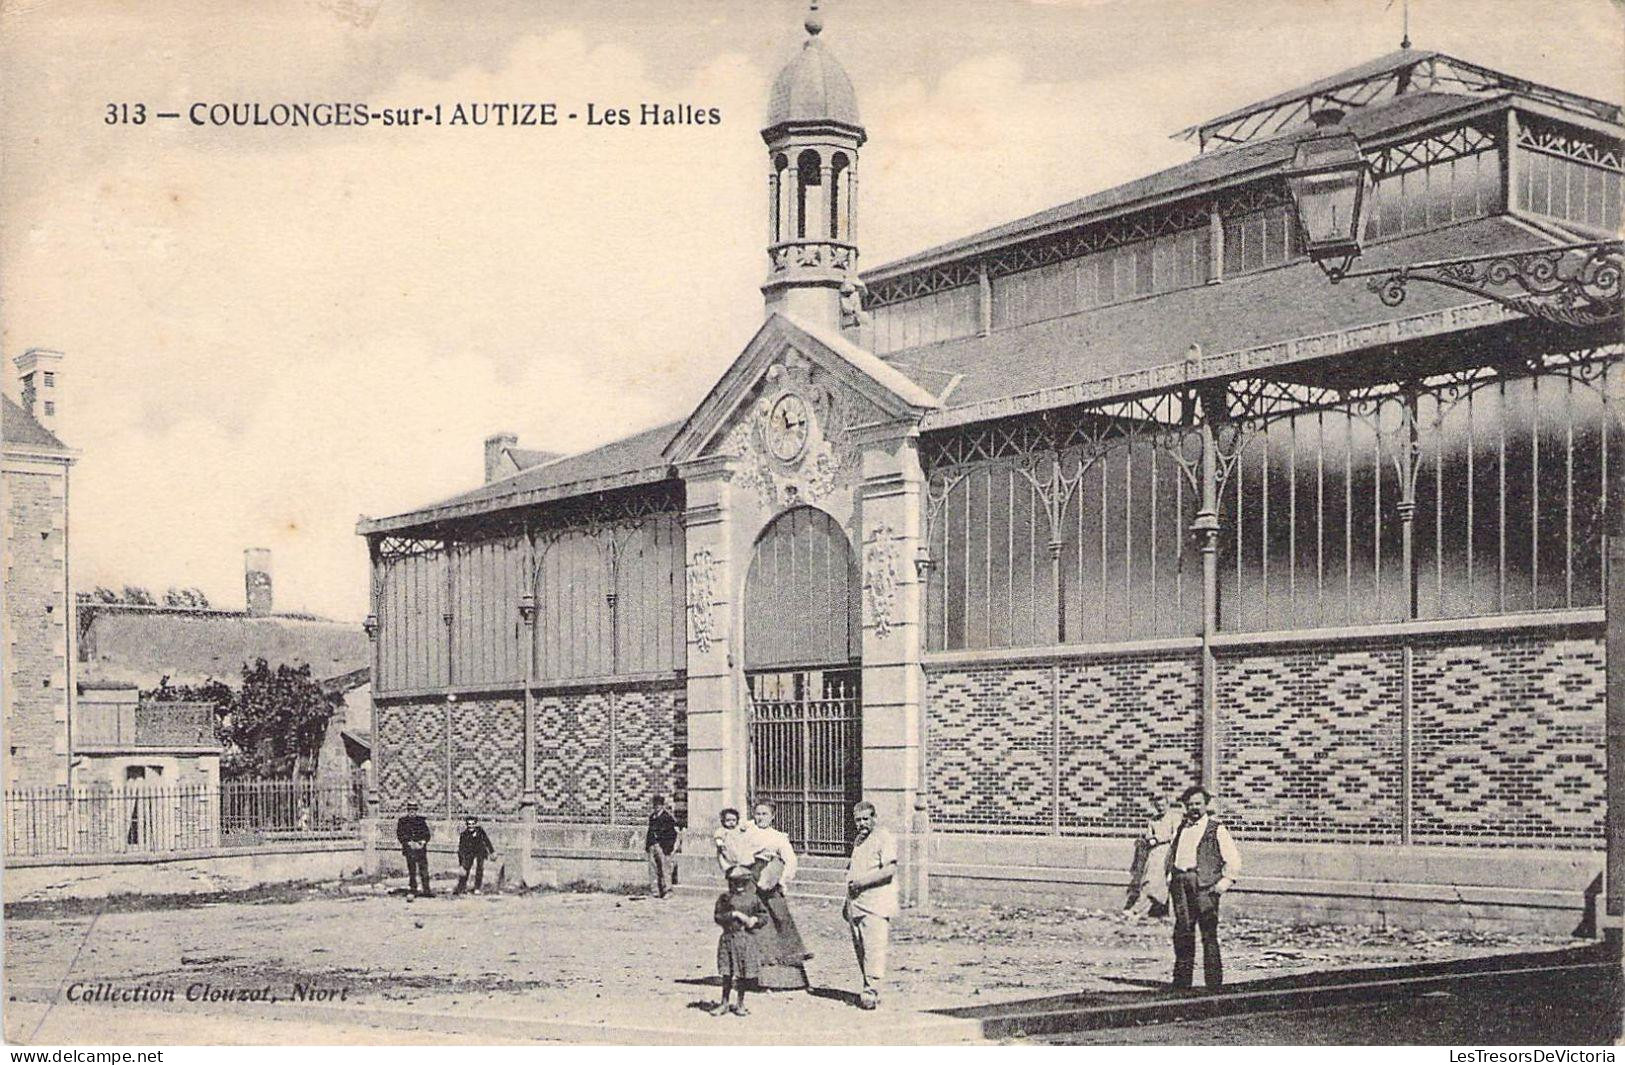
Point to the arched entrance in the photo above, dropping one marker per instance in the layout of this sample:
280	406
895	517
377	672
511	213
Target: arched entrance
802	648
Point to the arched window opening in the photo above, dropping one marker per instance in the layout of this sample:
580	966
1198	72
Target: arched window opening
783	191
809	191
839	194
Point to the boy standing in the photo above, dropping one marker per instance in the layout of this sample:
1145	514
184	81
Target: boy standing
473	847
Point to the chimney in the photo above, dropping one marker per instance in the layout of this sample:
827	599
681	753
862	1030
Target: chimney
497	461
257	580
41	372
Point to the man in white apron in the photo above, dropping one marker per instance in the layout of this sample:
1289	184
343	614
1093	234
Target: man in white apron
871	899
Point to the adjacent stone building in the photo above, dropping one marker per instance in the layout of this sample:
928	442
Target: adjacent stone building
36	647
1019	534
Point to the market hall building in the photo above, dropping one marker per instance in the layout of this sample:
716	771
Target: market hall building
1013	535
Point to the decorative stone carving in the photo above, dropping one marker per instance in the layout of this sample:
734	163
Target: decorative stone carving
880	565
702	593
780	475
812	255
852	312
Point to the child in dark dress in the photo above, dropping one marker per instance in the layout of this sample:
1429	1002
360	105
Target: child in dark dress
739	911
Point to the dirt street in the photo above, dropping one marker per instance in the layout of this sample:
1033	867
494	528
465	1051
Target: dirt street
582	966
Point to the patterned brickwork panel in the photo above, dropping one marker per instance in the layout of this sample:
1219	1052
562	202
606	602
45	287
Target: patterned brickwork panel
1131	729
991	744
1509	742
602	755
487	755
411	753
643	751
572	756
1310	743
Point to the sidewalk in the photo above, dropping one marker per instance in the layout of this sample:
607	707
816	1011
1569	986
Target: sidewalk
614	968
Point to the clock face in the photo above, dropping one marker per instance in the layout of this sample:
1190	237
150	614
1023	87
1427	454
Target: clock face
787	427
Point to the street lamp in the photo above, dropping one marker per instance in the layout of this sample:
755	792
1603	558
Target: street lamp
1330	182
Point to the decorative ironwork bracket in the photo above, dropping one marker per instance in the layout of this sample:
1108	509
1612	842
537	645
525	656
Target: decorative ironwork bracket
1573	284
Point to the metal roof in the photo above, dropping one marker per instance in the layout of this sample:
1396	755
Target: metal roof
1242	311
623	463
1390	76
1206	172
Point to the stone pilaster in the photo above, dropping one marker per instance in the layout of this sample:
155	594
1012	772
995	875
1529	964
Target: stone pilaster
716	740
893	685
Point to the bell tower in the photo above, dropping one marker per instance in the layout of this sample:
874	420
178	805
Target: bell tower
813	136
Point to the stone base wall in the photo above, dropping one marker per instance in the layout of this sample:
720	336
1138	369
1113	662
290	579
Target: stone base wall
185	873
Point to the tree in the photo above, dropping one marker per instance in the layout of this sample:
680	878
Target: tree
272	726
280	719
137	596
104	594
190	598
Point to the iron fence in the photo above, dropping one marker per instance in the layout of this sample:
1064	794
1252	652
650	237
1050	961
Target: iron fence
806	740
140	818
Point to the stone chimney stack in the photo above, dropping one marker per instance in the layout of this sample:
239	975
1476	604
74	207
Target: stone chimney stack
497	461
257	581
41	372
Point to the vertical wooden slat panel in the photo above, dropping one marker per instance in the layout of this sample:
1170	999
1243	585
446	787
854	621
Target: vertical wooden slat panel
802	562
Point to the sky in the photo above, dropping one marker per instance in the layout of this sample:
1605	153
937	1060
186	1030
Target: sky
269	332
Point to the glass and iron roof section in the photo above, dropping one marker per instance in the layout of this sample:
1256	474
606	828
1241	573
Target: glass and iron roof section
1377	82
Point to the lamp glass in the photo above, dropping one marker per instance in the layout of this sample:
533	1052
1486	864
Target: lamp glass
1328	181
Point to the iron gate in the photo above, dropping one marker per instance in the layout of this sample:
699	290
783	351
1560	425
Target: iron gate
806	753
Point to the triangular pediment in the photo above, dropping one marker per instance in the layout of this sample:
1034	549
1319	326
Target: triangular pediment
802	374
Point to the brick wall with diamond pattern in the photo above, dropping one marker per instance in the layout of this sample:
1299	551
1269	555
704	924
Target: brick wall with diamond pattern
1120	730
411	753
487	755
1507	741
1309	743
1131	729
601	755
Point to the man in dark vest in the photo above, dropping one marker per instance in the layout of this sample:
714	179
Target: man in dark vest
413	833
1202	865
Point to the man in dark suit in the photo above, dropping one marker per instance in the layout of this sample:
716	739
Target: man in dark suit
473	847
661	843
413	833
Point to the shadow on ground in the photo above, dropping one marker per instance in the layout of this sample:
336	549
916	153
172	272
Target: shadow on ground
1588	974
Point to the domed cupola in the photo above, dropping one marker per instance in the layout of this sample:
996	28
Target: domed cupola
813	135
812	88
